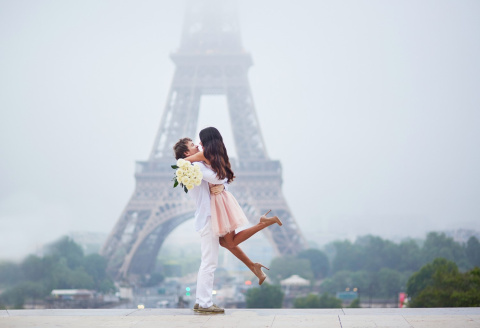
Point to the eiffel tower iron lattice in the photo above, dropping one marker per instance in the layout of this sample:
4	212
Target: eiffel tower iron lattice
210	60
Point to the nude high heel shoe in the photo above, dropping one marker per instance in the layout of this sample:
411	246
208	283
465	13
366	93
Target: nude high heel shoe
271	220
257	270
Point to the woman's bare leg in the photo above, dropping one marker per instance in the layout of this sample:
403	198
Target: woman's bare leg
243	235
227	242
231	240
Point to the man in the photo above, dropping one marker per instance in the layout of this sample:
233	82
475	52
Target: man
208	240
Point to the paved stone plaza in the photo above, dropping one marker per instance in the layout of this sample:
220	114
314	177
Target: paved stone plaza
275	318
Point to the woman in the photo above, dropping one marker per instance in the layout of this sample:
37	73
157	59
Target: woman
226	213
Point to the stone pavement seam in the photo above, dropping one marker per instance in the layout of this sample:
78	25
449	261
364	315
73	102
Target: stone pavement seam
273	320
340	321
140	322
209	317
404	318
131	312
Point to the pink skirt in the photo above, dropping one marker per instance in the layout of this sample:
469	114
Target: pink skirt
227	215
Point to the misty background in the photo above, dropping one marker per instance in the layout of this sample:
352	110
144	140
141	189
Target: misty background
372	107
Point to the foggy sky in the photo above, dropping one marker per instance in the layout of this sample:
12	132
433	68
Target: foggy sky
372	107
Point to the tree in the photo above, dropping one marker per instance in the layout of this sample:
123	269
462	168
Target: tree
473	251
32	268
96	267
425	277
359	280
440	246
347	257
64	267
440	284
410	258
10	273
369	253
347	279
355	303
376	253
265	297
390	283
328	301
17	295
338	282
284	267
313	301
68	249
318	262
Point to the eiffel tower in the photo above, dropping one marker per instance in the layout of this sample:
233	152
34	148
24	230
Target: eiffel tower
209	61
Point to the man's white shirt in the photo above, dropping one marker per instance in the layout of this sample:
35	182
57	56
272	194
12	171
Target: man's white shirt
201	196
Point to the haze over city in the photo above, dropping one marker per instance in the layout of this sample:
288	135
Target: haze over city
372	108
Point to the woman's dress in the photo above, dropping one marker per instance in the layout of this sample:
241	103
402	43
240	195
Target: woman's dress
227	215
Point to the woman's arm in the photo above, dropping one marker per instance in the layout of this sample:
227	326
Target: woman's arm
198	157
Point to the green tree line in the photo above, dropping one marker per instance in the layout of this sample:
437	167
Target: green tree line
441	284
63	267
377	267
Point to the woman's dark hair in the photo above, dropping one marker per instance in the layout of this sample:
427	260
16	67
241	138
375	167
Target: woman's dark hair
214	150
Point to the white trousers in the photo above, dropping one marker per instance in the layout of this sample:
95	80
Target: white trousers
209	245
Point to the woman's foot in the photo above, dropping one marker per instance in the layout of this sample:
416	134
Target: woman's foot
257	270
270	220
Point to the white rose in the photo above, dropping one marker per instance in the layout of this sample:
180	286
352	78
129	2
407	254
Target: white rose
186	163
185	180
198	182
189	186
180	162
179	173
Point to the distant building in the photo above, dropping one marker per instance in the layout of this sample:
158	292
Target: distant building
73	294
79	299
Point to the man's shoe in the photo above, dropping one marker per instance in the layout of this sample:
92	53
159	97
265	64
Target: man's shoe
212	309
195	307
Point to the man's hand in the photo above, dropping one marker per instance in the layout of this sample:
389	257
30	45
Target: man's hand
216	189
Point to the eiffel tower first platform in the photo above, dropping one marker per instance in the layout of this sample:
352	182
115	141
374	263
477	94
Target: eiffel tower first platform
209	61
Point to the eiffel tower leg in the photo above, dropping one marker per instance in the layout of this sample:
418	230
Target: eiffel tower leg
286	239
142	255
246	130
154	210
259	180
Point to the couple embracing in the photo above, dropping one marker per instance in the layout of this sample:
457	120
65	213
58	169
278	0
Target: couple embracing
217	213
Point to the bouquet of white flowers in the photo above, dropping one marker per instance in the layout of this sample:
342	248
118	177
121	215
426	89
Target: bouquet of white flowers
187	175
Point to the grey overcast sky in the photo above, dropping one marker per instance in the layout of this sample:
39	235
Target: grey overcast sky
371	106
